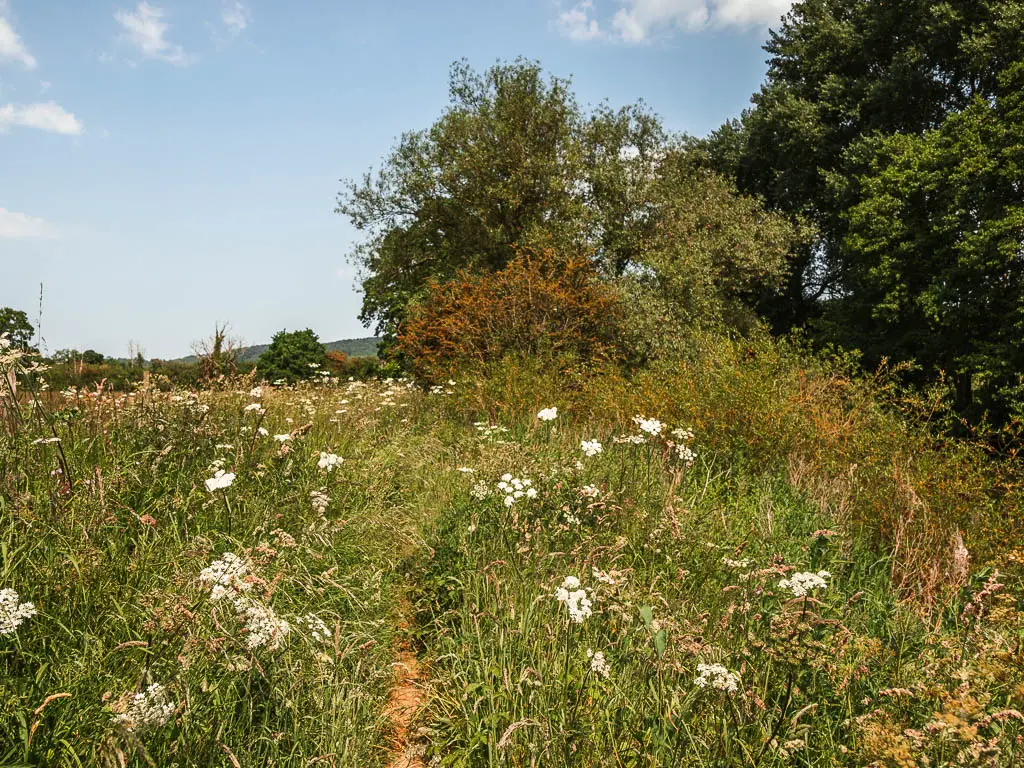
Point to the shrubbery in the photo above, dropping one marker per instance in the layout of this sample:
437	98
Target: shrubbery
542	304
292	356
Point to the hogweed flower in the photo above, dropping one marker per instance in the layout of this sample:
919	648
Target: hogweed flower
515	489
598	664
591	447
800	584
328	461
226	576
13	613
148	709
650	426
263	625
320	501
316	627
575	599
718	677
220	479
547	414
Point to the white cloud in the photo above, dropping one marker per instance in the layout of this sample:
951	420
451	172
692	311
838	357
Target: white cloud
640	20
48	116
145	29
11	46
577	23
18	225
236	16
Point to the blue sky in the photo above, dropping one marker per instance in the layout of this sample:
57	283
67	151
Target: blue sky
171	164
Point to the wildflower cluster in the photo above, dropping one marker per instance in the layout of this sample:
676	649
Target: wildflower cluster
263	626
220	480
149	709
226	576
575	598
591	448
598	664
652	427
320	501
515	489
13	613
489	430
547	414
718	677
316	627
800	584
328	461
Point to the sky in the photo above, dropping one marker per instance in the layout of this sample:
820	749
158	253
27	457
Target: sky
168	165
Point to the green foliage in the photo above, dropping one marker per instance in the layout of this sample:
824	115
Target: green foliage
710	256
15	323
292	356
894	127
512	162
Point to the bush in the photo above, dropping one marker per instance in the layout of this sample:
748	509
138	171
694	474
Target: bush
292	356
542	304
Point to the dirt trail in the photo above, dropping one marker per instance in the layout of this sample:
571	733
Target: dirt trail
403	702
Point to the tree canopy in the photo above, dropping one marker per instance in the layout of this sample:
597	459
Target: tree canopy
895	128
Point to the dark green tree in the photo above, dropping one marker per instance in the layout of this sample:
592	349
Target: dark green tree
92	357
292	356
15	323
865	103
512	162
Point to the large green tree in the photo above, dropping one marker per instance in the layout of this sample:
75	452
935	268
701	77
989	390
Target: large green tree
868	99
292	356
15	324
512	162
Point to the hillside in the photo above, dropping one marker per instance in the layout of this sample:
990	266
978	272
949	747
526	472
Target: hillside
365	347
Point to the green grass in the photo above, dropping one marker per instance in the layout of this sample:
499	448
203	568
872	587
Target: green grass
107	533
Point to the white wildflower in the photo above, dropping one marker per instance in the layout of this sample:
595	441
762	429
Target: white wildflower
13	613
591	447
256	392
149	709
630	439
718	677
316	627
220	479
800	584
590	492
547	414
744	563
598	664
575	599
283	438
320	501
650	426
603	576
328	461
263	626
255	407
226	576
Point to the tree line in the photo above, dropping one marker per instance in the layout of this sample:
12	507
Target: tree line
870	198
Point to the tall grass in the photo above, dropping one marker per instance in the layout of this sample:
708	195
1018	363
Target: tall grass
907	653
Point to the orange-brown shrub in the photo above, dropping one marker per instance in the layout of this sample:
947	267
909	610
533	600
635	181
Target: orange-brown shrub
543	304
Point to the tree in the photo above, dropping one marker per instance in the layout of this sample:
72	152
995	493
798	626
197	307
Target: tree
92	357
513	162
15	323
935	244
292	356
710	256
862	94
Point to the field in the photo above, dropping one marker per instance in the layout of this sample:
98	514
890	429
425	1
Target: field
228	577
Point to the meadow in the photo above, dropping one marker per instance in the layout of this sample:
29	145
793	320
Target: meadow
695	569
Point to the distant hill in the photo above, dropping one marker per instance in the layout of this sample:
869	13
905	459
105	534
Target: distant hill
352	347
